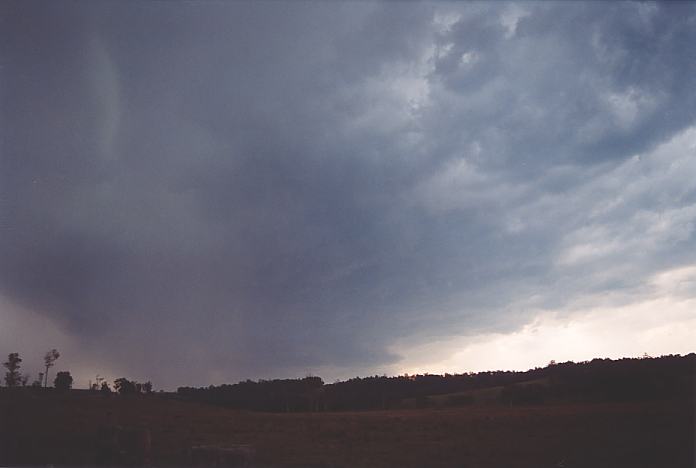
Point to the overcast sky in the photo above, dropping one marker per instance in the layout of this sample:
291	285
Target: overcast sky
202	192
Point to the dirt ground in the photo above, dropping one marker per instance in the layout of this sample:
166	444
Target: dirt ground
61	430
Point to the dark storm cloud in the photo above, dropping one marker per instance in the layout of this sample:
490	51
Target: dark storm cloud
255	189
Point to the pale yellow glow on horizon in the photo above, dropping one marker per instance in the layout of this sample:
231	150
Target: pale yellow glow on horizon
662	324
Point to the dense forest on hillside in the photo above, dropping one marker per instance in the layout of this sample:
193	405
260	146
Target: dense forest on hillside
625	379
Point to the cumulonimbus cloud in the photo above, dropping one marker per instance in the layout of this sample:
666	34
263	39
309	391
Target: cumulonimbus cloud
221	191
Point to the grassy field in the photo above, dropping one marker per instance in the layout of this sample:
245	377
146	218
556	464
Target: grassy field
51	428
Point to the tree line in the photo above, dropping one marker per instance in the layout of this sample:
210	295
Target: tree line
625	379
15	378
63	380
597	380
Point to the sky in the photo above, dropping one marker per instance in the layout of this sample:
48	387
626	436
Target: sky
195	193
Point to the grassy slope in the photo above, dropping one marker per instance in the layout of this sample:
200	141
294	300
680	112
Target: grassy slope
59	429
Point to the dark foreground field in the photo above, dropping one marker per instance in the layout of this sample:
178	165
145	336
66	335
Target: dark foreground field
57	429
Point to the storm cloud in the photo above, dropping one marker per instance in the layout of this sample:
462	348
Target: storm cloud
198	192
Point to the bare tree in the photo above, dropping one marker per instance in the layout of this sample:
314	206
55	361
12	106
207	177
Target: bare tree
49	361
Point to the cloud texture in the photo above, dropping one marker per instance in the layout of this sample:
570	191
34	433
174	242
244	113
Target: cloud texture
198	192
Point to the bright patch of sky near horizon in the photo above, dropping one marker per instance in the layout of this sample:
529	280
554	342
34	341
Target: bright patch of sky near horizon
661	325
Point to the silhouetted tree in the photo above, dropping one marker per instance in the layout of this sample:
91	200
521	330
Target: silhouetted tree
125	387
63	381
13	378
49	361
98	383
130	387
105	389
